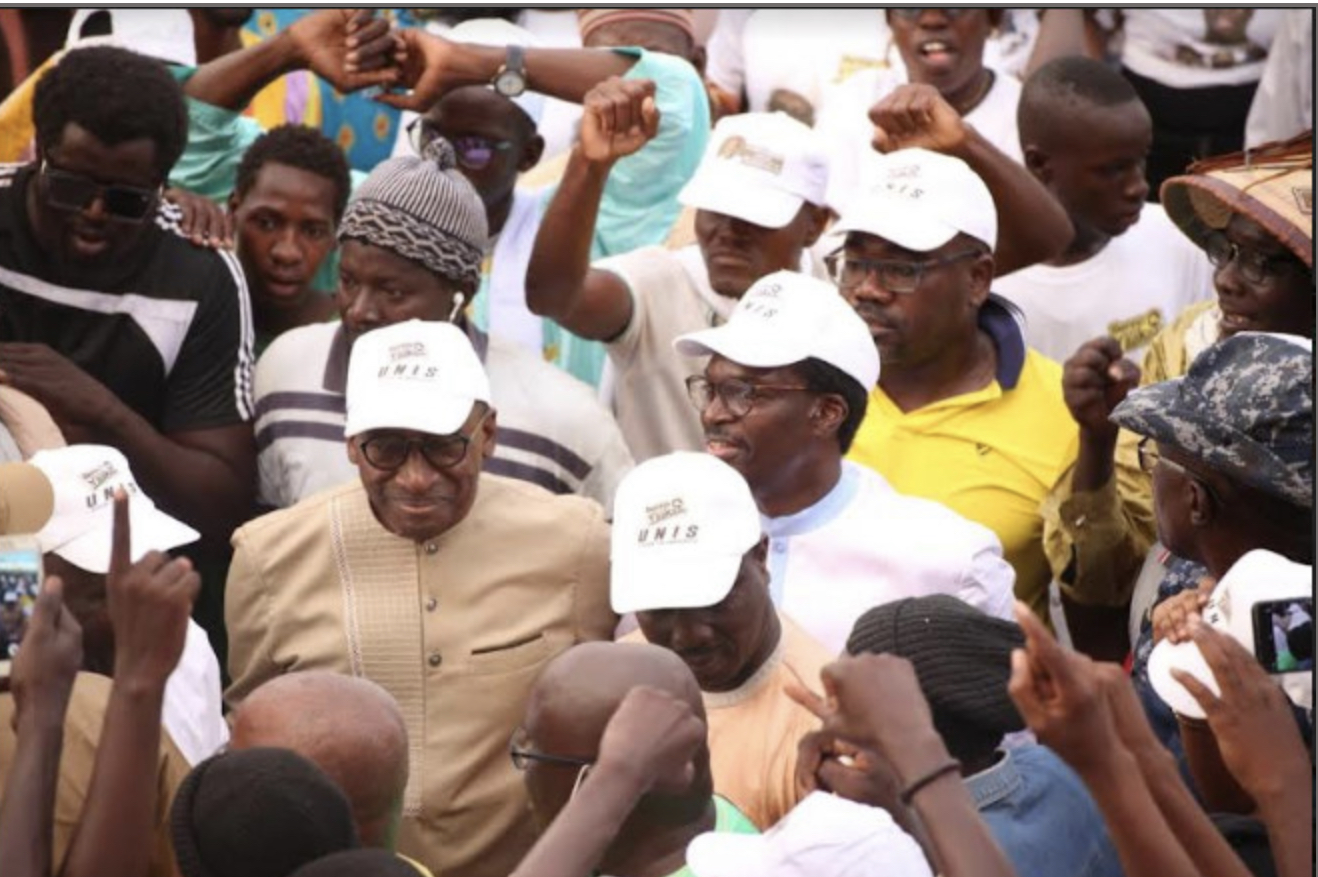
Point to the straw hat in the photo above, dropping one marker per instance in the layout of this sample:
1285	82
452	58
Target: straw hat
1272	185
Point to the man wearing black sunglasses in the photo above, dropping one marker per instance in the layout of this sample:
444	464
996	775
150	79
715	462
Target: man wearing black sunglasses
447	585
127	333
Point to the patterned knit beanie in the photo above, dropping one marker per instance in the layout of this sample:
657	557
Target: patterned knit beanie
962	658
259	812
423	209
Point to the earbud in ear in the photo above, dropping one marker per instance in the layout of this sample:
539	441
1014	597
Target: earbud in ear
458	301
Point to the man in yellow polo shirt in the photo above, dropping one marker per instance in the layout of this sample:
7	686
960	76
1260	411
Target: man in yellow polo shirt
964	412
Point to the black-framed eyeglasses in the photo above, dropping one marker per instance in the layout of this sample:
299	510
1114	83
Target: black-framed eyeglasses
913	14
524	758
389	451
1253	265
738	396
1150	457
74	192
473	151
898	276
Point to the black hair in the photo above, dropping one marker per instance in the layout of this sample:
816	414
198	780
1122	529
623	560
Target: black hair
1070	81
117	96
821	377
303	148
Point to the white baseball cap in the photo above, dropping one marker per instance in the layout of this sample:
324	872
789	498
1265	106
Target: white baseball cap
824	834
413	375
163	34
920	200
80	529
1259	576
681	525
785	318
497	32
760	168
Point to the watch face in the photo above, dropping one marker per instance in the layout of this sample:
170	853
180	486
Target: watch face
510	83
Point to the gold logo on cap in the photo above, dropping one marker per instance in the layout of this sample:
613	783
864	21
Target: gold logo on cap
410	350
101	474
662	511
737	149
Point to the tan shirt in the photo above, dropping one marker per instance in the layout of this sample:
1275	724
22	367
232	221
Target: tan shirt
82	735
457	628
753	731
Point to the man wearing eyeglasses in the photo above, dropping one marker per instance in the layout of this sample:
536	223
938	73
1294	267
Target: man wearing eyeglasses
780	401
450	587
964	413
128	334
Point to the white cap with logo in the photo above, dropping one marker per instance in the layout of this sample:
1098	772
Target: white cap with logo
785	318
681	525
823	834
414	375
760	168
83	479
920	200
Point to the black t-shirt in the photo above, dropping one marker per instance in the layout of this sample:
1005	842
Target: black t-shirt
169	332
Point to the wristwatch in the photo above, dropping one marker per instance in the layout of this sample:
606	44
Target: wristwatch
510	81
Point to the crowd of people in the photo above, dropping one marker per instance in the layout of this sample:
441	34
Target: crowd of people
660	443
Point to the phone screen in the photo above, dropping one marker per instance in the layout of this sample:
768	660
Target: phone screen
20	582
1283	635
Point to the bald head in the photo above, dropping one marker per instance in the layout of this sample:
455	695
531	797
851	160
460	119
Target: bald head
351	728
571	704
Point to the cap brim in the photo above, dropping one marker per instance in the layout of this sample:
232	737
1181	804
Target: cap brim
723	854
643	584
432	413
1186	656
745	343
746	199
153	530
897	222
1154	411
26	499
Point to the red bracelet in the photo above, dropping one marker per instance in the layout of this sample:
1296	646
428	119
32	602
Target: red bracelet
943	769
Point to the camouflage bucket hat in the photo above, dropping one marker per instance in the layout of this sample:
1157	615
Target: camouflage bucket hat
1245	408
1272	185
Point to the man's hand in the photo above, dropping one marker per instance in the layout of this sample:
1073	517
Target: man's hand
350	48
1171	618
77	402
914	115
1059	694
1252	719
825	763
619	116
149	602
47	661
652	737
206	223
1094	381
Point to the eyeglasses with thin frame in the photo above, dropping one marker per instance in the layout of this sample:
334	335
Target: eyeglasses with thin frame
738	396
473	151
390	451
1253	265
65	190
898	276
522	759
1149	458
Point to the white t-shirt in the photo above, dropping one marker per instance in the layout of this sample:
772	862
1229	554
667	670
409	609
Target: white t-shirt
1283	104
845	126
1135	286
865	544
671	296
1196	48
193	711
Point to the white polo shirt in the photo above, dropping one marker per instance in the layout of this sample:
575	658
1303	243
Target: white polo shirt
864	544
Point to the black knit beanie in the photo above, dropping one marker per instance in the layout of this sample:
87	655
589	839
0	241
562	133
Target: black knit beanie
260	812
359	863
962	658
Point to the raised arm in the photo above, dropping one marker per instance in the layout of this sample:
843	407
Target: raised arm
44	671
149	605
348	47
619	117
1032	225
